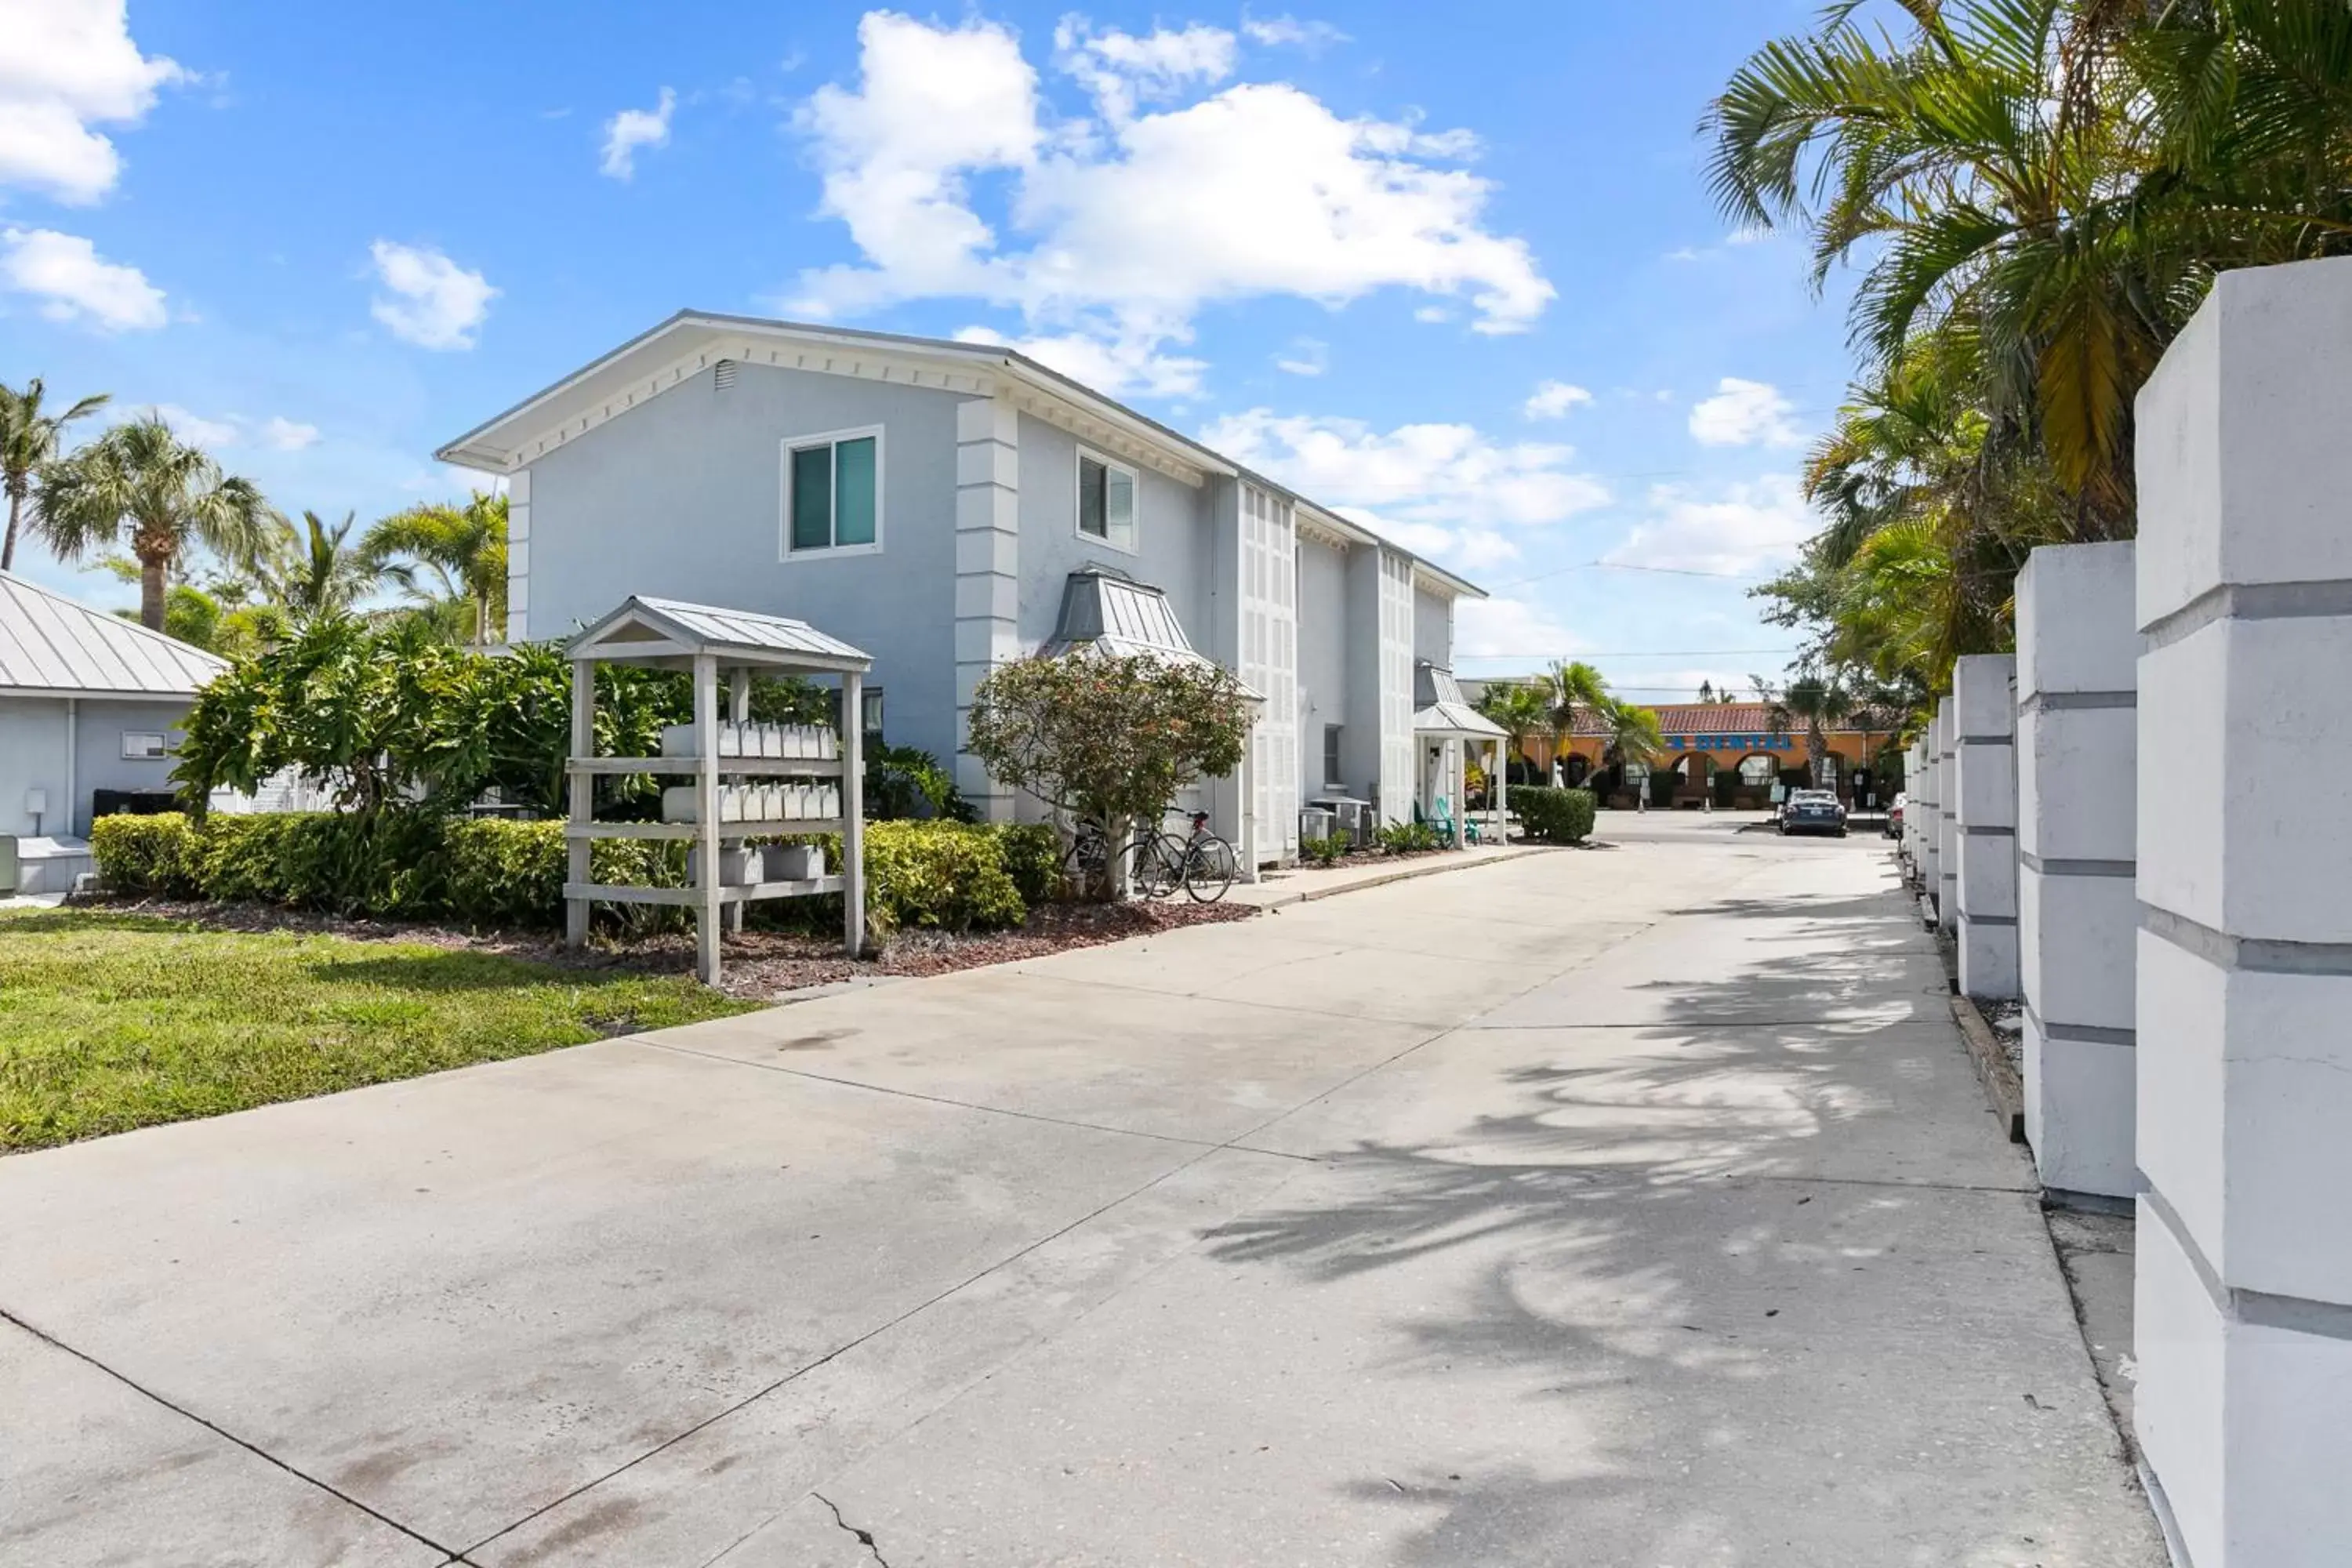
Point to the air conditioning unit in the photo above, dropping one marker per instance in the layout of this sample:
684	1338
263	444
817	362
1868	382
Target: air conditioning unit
1315	822
1356	820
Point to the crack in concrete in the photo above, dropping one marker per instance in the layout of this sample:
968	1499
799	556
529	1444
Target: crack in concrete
865	1536
223	1433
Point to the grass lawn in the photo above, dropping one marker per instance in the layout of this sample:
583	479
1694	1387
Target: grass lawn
109	1022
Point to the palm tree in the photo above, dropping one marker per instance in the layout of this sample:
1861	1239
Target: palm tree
464	549
311	572
139	484
1630	734
1570	686
1521	710
28	445
1820	703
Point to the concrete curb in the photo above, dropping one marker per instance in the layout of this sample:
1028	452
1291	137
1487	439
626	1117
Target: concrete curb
1405	874
2000	1080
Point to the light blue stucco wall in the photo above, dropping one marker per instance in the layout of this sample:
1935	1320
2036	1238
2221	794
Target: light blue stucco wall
34	745
1322	658
1174	551
1432	627
683	497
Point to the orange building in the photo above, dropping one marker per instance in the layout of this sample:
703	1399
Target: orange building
1730	753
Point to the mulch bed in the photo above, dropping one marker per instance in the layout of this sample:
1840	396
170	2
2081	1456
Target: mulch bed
760	965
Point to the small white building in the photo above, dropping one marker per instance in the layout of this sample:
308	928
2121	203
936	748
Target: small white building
89	702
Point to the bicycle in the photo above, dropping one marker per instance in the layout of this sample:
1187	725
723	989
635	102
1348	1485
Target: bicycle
1206	865
1157	860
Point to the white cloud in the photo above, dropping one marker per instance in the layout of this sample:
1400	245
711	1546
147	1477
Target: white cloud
1510	628
1447	475
632	129
1108	362
1118	68
193	428
69	65
74	283
1306	356
432	302
1130	223
283	434
1741	530
1275	31
1743	413
1553	399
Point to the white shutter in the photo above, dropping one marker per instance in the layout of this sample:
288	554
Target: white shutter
1397	771
1269	664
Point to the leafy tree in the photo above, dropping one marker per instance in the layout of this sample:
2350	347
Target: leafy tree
140	486
29	441
310	571
1108	738
441	554
1817	703
1630	732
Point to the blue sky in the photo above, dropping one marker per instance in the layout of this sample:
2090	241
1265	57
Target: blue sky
1460	278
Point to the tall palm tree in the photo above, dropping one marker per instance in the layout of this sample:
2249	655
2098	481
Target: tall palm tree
1520	708
1817	703
1630	733
312	571
462	548
28	445
1570	687
140	486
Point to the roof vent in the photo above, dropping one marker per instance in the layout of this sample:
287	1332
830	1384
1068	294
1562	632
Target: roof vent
722	376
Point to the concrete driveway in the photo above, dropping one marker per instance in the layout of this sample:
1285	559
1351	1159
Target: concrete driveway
1625	1207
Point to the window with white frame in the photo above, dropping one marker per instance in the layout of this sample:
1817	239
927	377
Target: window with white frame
1106	499
1330	754
832	492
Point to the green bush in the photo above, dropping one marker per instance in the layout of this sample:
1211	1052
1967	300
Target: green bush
1408	838
408	865
1553	815
1325	851
1032	852
146	854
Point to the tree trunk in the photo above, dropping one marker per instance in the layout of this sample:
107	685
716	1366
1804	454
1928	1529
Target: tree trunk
8	547
150	592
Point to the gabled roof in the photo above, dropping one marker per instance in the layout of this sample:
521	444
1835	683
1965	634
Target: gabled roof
52	647
692	341
669	632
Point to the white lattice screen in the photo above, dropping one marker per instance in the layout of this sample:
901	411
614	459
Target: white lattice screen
1396	688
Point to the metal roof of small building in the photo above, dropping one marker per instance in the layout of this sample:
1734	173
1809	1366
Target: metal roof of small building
716	629
1105	613
1441	709
52	645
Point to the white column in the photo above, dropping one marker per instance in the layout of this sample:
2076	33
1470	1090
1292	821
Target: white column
988	564
2077	776
580	799
853	812
1947	819
705	806
1984	774
2243	1310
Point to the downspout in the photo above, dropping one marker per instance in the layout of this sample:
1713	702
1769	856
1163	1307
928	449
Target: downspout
73	746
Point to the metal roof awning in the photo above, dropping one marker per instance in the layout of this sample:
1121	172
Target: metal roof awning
667	633
52	647
1441	709
1122	618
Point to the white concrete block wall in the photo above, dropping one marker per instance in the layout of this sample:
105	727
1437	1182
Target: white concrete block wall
987	562
1947	819
2243	575
2078	776
1984	771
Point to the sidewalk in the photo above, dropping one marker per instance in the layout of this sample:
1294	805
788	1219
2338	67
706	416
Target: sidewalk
1304	884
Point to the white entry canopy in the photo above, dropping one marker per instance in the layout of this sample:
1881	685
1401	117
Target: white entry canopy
1439	709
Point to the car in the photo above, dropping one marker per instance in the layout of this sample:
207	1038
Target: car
1894	817
1813	811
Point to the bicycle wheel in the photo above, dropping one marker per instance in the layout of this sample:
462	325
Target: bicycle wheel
1208	869
1082	866
1159	864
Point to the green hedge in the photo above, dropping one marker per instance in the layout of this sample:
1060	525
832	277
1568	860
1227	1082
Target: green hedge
938	875
1553	815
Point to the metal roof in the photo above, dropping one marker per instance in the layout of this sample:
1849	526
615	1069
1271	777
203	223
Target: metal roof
715	629
1443	710
51	646
1105	613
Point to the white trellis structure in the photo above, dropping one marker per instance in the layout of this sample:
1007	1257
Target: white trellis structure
709	644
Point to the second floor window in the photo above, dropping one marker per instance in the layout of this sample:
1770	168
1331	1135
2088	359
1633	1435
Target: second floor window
1105	501
832	491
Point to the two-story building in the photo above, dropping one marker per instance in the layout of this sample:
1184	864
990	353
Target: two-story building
947	507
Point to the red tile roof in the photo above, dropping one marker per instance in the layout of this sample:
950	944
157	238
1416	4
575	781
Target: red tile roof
1726	719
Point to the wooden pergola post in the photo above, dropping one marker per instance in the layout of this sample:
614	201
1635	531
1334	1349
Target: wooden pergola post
852	824
581	799
706	817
